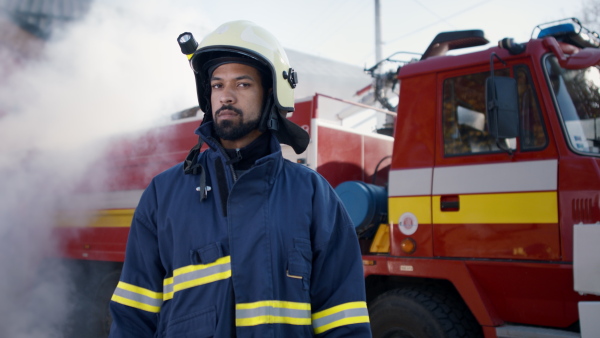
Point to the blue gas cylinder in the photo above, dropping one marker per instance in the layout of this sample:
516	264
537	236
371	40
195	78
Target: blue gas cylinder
366	203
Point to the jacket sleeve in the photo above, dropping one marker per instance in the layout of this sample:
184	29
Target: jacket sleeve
337	280
137	300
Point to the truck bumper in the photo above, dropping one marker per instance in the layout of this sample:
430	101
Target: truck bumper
589	313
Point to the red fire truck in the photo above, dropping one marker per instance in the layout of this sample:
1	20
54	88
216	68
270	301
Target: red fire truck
474	210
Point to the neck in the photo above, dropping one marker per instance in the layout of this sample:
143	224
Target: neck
241	142
244	158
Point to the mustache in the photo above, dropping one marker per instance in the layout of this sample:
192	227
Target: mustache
229	107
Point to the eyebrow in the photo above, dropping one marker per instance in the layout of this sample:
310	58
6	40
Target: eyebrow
241	77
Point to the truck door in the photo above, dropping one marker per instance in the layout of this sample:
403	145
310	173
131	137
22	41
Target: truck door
486	202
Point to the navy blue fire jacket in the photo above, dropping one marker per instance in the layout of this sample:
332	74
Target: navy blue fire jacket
276	255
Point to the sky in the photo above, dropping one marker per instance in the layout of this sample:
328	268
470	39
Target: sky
344	30
124	55
339	30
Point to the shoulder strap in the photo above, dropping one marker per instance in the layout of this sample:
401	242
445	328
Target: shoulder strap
192	166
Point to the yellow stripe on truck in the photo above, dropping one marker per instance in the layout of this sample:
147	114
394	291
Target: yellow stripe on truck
112	218
108	218
420	206
525	207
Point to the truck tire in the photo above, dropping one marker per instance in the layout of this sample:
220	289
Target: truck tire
421	312
92	288
102	318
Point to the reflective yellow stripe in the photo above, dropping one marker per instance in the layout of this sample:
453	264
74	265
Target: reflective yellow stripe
274	303
525	207
195	275
191	268
137	297
272	312
139	290
340	315
338	308
270	319
137	305
200	281
342	322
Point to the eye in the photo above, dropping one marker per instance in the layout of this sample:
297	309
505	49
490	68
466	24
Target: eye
244	84
216	85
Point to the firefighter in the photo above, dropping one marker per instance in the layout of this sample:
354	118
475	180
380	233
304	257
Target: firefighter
236	240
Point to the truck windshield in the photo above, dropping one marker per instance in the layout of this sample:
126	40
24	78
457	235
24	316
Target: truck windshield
577	94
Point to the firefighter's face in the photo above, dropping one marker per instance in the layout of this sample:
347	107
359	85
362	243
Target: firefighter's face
236	100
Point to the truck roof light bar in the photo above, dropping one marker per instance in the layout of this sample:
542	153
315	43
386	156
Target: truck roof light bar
443	42
568	30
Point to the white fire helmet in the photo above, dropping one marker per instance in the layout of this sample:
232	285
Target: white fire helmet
245	42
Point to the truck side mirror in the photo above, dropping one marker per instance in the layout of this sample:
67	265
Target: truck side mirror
502	105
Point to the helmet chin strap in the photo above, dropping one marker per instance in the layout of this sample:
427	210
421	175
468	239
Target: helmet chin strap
286	131
268	118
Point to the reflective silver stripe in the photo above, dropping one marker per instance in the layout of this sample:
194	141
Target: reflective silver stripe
340	315
201	273
138	298
167	288
410	182
498	177
195	275
350	313
271	311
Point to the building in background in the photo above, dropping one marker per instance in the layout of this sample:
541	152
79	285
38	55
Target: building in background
27	25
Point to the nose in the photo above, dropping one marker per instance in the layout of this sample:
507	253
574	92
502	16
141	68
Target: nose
227	96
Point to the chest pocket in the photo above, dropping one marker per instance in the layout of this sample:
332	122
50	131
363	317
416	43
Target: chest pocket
206	255
195	325
299	263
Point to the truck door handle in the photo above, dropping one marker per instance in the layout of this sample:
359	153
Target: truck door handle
450	203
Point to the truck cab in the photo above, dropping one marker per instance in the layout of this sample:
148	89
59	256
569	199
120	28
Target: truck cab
480	222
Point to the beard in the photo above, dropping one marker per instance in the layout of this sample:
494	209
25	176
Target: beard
233	130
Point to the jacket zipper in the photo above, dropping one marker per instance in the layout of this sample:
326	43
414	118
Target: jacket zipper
224	153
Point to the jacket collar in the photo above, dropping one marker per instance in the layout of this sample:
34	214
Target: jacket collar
205	132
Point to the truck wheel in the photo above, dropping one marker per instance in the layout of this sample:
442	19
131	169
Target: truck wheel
102	319
421	312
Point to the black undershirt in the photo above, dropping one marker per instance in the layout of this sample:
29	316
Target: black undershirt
244	158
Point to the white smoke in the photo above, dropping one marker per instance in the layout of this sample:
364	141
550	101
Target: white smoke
118	70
